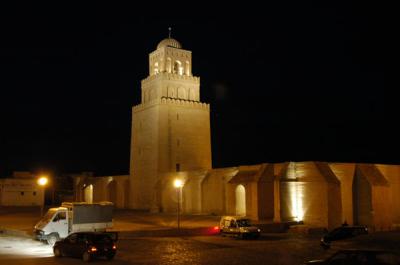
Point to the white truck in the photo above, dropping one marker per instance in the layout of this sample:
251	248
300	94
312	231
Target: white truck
72	217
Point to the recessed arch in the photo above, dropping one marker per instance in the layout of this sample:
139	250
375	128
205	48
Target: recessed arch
240	195
171	92
112	192
88	194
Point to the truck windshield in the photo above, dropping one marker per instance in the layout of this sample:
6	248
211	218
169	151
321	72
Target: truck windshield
243	223
47	217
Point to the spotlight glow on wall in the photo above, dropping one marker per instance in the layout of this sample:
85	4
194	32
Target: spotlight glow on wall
296	198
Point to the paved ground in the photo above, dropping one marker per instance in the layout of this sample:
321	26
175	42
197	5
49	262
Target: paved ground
137	247
271	249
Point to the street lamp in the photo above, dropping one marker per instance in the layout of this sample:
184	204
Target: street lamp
178	185
42	181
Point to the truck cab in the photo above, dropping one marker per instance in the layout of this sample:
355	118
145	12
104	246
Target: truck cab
53	225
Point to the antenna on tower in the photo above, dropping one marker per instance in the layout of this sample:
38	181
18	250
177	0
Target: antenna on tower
169	32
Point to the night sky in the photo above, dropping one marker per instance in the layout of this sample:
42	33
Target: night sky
285	83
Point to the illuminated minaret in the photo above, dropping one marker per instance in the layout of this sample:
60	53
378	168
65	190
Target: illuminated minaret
170	127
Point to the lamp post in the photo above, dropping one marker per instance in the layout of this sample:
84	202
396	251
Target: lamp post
42	181
178	185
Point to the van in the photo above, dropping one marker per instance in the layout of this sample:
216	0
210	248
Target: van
238	226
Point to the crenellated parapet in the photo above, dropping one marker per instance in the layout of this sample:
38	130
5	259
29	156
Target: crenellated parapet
172	101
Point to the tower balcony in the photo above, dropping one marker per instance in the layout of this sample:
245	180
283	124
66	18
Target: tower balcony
172	77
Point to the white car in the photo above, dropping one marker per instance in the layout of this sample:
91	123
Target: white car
238	226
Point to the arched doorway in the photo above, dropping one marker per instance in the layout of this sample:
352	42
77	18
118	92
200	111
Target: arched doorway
112	192
240	200
88	194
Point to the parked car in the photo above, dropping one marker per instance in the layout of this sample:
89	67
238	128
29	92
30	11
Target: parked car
342	232
238	226
360	257
87	245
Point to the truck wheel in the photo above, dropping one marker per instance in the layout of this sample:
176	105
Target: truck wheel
86	257
57	252
52	240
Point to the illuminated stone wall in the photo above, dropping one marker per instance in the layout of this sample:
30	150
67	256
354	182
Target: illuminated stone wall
319	194
310	192
216	194
104	188
144	156
189	195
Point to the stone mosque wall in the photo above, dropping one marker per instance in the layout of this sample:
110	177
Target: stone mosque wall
319	194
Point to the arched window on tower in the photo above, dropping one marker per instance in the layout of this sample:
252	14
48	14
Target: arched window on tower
156	70
178	69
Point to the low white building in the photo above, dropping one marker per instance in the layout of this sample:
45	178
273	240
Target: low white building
21	190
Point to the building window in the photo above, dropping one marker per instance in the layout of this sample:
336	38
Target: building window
178	167
34	193
22	193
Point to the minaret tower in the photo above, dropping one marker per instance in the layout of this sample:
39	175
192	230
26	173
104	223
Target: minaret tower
170	127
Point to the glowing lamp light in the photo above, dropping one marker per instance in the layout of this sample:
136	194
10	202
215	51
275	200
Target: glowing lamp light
93	249
178	183
42	181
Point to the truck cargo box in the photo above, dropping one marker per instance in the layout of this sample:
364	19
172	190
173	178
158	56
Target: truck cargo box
82	212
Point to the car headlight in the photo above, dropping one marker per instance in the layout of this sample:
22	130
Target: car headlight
38	232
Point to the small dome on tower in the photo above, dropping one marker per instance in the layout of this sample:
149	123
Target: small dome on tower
169	42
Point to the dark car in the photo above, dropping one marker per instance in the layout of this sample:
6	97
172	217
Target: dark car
87	245
360	257
342	232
